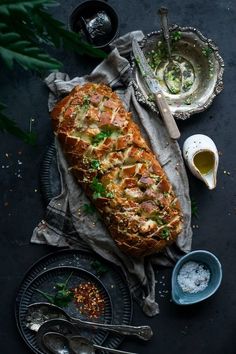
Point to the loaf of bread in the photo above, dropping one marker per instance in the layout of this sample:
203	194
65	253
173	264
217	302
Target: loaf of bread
117	170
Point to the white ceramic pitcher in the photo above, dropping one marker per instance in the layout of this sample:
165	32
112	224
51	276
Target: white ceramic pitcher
202	158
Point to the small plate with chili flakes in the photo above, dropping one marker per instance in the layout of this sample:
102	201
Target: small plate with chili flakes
80	293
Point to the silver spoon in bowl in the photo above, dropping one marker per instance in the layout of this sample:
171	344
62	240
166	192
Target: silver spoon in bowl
59	344
40	312
172	71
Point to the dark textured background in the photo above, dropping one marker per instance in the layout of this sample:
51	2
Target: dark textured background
206	328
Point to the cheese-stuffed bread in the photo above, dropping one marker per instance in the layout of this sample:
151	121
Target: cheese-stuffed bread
117	170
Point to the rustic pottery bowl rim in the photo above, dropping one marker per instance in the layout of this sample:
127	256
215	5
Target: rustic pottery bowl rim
218	87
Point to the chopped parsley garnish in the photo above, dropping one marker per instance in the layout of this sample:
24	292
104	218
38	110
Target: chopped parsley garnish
158	220
89	209
101	136
86	103
206	51
187	85
176	36
99	190
95	164
165	233
188	101
109	195
157	55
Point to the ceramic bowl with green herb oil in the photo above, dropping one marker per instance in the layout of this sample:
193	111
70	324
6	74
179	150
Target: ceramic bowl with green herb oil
195	77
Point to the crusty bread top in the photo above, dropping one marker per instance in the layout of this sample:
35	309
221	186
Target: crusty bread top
113	163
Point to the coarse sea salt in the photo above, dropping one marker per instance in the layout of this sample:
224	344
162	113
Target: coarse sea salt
193	277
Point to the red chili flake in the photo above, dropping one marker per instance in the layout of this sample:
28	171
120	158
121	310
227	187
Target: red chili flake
89	300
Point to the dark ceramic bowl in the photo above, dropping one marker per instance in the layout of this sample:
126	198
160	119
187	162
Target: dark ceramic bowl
96	21
211	262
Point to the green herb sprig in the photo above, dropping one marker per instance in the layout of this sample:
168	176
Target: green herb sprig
206	51
165	233
157	55
99	190
95	164
158	220
106	133
63	294
85	104
176	36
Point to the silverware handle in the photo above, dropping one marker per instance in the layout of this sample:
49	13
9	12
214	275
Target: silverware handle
142	332
163	12
167	116
111	350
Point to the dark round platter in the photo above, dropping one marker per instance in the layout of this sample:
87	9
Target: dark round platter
45	282
109	275
49	175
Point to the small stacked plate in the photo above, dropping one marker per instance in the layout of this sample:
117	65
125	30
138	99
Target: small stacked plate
80	267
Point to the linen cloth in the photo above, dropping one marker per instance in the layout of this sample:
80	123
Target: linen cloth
67	224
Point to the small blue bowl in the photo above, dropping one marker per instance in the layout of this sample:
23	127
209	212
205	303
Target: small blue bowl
210	261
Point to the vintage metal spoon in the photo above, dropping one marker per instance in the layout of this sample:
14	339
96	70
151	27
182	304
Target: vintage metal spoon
56	343
59	344
172	72
40	312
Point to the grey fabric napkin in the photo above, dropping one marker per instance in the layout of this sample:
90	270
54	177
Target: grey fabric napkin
67	224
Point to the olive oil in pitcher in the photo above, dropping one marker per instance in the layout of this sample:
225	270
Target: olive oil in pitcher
204	161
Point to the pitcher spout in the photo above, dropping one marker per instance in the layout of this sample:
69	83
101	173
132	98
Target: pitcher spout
210	180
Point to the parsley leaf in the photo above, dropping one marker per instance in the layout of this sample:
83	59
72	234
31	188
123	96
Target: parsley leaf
157	219
99	190
206	51
85	104
176	36
165	233
101	136
95	164
63	295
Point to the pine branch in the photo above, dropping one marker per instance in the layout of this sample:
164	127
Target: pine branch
8	125
6	6
21	24
24	26
13	47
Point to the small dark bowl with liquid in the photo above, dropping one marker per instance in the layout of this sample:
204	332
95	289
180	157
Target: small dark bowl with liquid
96	21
